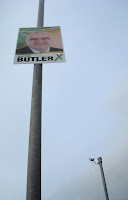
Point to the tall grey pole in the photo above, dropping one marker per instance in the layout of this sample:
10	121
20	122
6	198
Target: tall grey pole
34	155
103	177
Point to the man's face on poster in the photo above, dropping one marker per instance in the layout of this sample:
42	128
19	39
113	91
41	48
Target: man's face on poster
40	41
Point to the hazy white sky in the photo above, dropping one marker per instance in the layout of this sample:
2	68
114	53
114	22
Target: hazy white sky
85	101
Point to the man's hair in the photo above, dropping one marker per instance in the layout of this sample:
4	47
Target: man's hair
37	32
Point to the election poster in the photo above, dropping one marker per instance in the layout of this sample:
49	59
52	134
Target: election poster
39	45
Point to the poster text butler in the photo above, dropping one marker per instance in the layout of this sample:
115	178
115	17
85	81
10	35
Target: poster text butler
39	45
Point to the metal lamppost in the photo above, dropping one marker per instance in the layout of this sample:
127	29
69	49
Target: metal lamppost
34	155
102	175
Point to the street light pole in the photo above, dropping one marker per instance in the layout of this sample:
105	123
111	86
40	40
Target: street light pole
103	177
34	155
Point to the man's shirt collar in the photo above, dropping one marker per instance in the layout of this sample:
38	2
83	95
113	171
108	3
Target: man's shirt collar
36	51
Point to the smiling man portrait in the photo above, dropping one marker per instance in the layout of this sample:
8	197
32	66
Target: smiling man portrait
38	42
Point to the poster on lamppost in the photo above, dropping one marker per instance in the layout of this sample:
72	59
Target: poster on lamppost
39	45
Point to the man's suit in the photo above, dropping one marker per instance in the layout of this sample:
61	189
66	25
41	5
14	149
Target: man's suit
26	50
